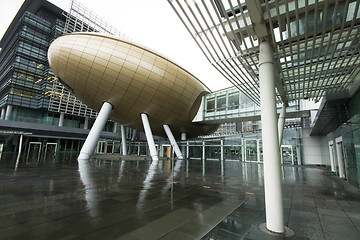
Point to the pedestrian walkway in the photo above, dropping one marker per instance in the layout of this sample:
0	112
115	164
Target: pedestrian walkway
184	199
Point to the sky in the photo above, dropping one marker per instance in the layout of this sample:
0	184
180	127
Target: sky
150	23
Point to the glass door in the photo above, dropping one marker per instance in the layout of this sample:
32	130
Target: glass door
34	152
251	150
50	153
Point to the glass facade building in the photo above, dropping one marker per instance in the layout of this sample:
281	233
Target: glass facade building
28	87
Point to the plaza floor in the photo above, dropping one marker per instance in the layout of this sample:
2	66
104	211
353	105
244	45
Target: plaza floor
184	199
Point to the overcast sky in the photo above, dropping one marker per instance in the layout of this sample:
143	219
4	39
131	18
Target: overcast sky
151	23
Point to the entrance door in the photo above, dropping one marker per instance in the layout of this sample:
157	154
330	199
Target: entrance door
165	150
34	152
50	152
287	155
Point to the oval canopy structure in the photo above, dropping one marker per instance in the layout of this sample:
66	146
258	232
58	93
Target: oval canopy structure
99	68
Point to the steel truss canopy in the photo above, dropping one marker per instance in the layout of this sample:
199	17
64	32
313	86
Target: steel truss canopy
315	43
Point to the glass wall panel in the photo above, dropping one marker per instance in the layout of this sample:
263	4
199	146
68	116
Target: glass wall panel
210	105
251	150
233	101
221	103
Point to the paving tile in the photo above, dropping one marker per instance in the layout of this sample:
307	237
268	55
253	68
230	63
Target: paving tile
304	218
355	219
55	203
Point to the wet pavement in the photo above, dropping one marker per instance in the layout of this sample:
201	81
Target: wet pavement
187	199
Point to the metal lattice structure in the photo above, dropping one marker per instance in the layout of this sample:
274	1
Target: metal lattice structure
81	19
315	43
78	19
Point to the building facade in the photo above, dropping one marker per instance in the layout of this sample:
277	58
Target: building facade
28	87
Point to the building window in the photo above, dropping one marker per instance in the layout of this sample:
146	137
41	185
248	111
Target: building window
233	101
210	105
221	103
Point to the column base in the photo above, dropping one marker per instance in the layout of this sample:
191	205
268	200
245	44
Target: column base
83	156
155	158
288	232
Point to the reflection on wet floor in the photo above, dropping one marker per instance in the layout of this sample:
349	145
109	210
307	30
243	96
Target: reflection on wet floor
184	199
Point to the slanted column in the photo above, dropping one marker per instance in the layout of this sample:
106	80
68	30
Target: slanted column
149	137
123	140
61	119
272	171
281	123
8	112
173	141
94	134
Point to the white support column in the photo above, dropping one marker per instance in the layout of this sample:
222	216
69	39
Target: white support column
203	150
340	156
133	135
173	141
61	119
183	148
332	156
19	152
183	136
123	140
281	123
8	112
149	137
86	123
222	149
187	149
94	134
272	171
3	112
114	127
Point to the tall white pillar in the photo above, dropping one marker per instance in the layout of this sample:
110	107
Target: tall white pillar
123	140
3	112
94	134
173	141
272	171
61	119
281	123
222	149
340	157
332	156
19	152
183	148
86	123
149	137
8	112
183	136
115	127
203	150
187	149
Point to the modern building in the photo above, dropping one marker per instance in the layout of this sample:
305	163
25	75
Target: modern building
28	87
281	52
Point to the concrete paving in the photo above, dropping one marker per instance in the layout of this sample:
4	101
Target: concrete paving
187	199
